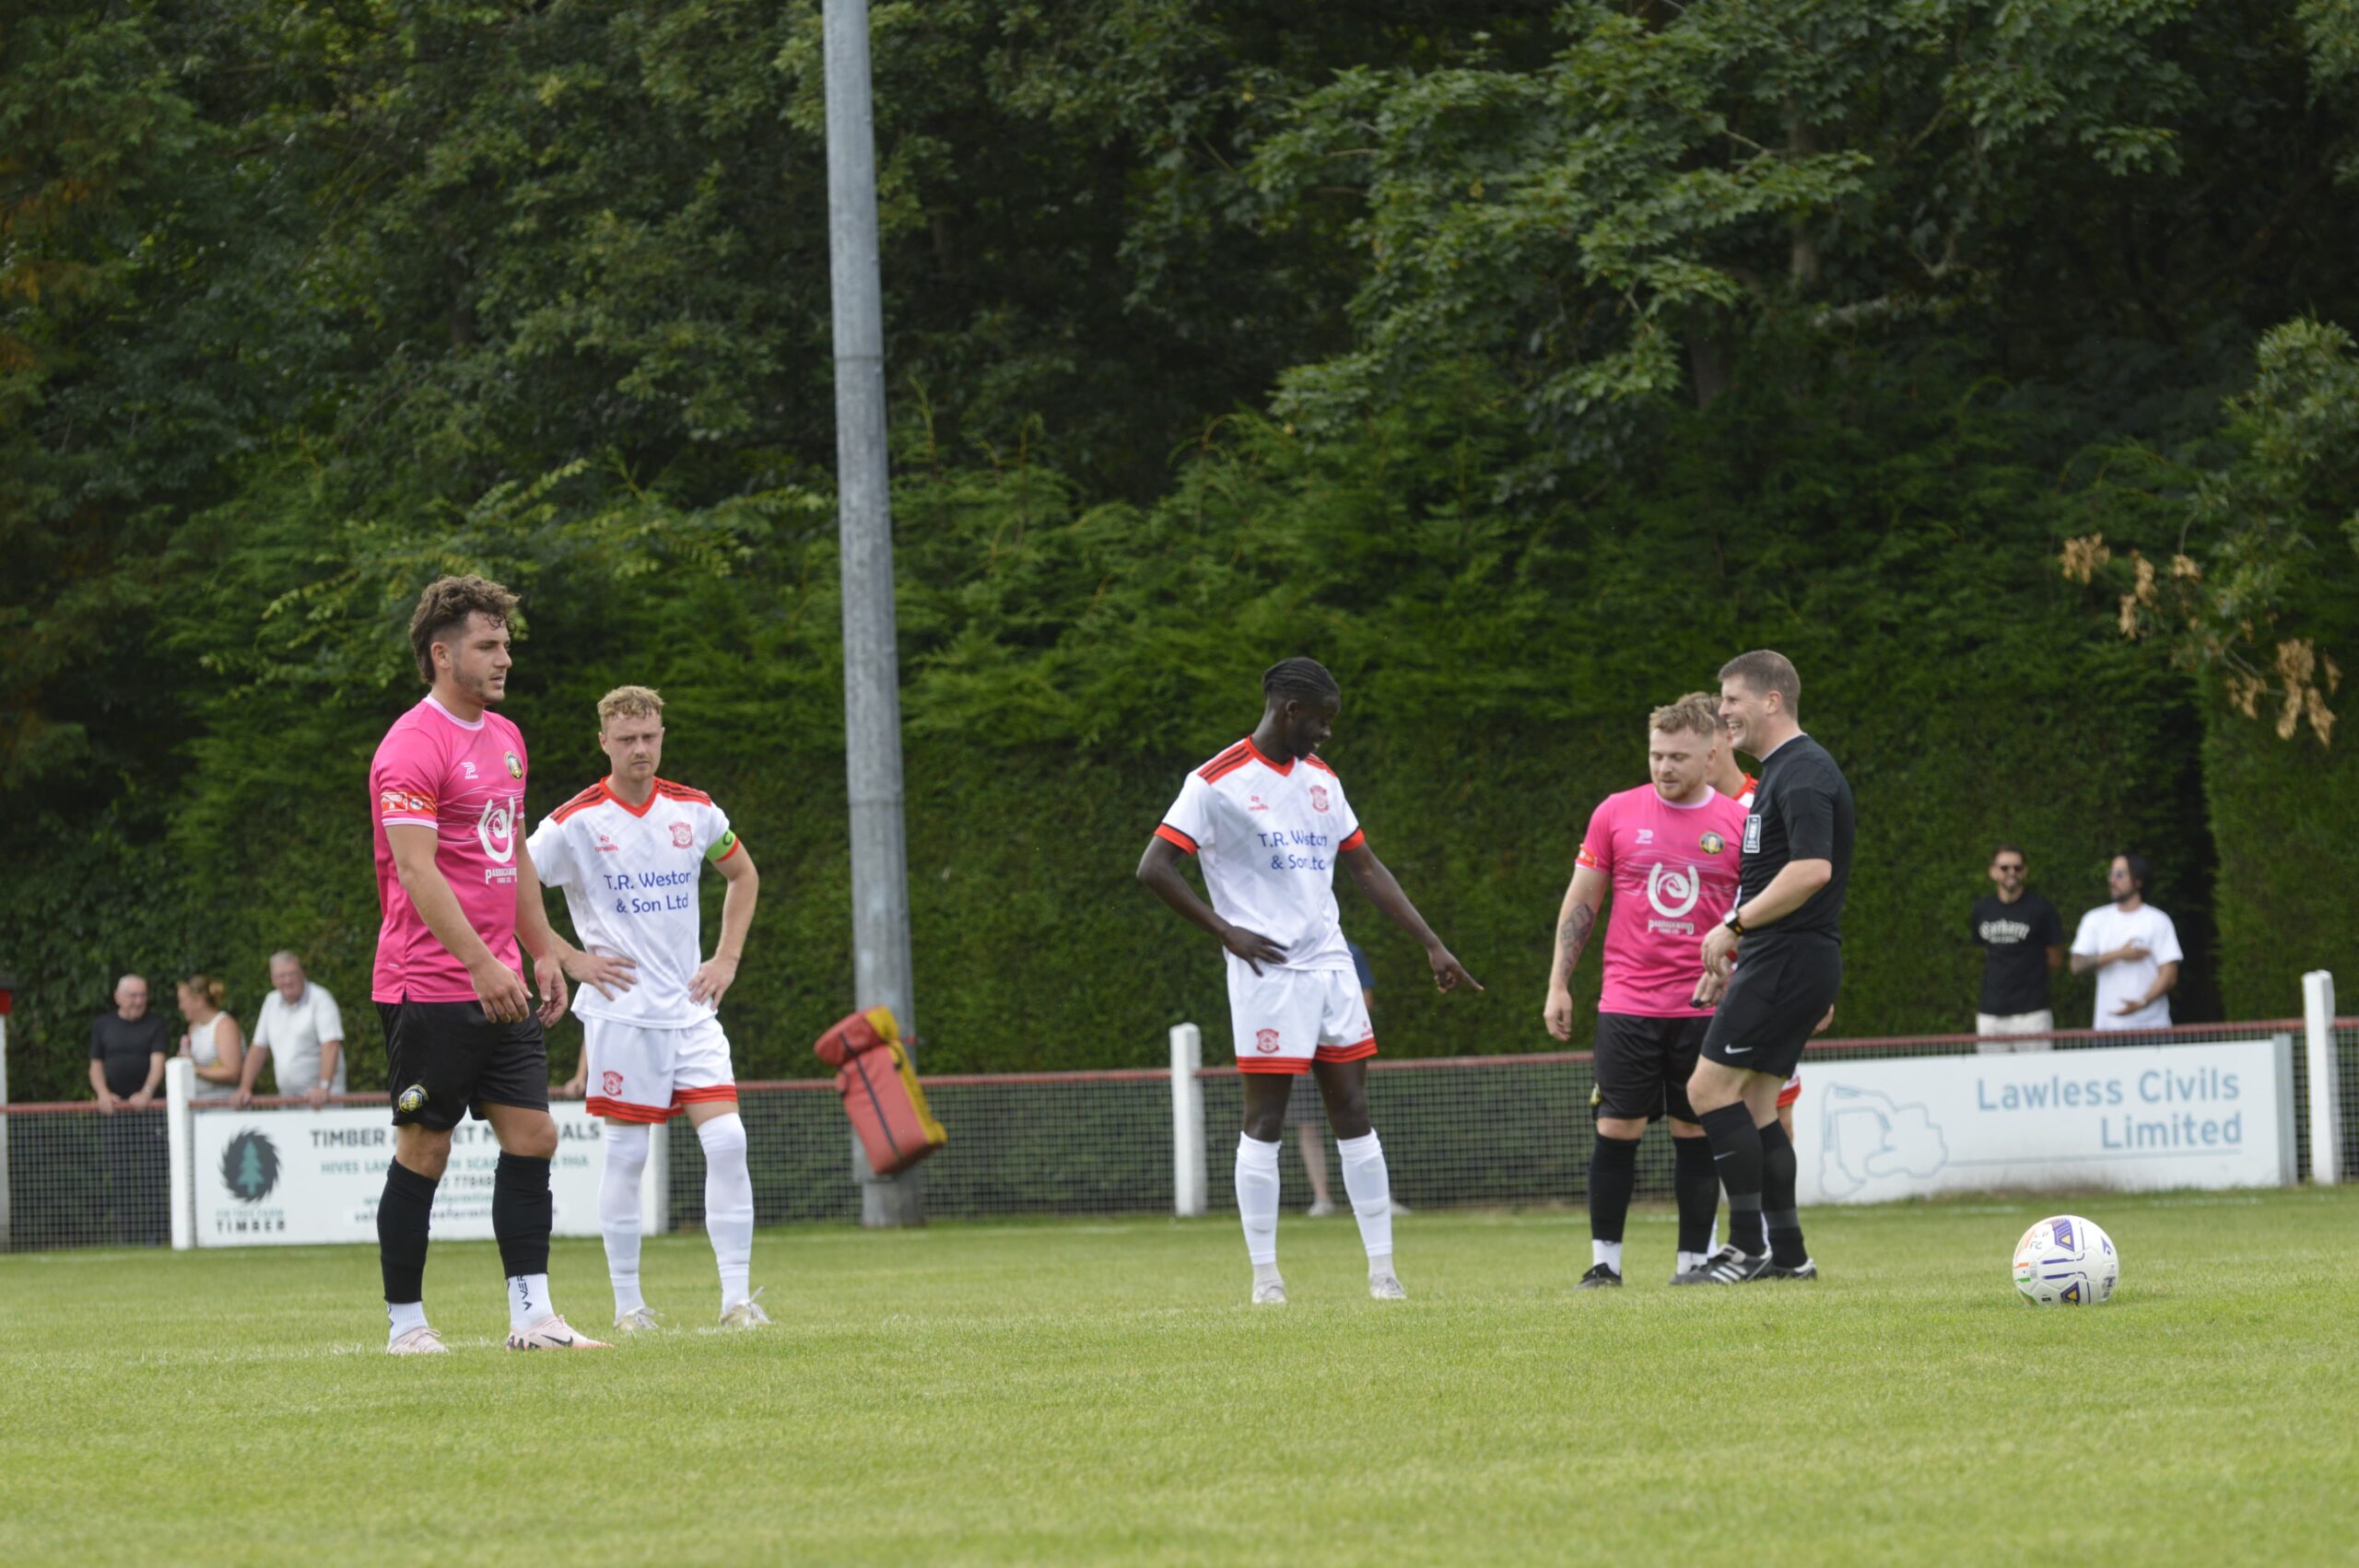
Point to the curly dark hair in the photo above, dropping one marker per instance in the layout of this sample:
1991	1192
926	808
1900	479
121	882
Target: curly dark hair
444	607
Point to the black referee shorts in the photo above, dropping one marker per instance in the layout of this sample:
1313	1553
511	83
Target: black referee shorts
1780	992
1643	1065
444	1057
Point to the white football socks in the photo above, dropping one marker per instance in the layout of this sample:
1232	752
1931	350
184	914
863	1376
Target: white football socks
728	1204
618	1209
528	1300
1371	1194
1257	1201
1609	1253
402	1316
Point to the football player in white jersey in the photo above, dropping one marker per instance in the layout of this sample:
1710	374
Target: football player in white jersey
1268	822
628	852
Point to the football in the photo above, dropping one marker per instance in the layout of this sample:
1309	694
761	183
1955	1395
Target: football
2066	1262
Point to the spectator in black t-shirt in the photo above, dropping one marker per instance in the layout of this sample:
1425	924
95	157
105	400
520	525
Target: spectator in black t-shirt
2022	939
127	1049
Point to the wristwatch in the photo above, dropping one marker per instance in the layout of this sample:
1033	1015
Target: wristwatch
1733	923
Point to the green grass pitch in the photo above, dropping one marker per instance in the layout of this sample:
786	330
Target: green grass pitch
1100	1391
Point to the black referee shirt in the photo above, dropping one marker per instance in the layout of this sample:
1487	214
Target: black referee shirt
1801	810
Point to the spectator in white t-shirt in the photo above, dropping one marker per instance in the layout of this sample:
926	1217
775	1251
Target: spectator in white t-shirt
301	1030
2134	949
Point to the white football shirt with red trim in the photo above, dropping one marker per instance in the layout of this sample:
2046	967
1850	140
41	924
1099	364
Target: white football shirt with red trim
629	878
1268	837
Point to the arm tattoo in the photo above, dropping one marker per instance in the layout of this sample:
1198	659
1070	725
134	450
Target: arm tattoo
1573	935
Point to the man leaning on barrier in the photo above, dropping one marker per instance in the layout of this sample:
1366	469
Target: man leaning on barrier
127	1049
302	1031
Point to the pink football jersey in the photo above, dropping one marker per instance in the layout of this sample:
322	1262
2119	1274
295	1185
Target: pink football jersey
1672	871
466	781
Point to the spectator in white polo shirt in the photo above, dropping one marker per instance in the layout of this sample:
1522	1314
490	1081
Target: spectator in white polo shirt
2134	949
301	1030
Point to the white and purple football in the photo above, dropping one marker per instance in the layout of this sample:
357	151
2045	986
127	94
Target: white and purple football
2066	1262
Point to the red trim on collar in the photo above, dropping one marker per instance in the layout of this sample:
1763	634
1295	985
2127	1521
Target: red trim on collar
1282	772
607	788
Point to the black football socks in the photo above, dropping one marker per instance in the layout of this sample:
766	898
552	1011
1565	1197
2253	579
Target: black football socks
1697	1183
1777	1211
402	1216
1737	1155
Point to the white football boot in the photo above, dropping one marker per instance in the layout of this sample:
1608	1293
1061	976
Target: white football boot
554	1333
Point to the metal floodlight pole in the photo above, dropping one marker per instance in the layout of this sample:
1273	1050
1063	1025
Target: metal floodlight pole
882	972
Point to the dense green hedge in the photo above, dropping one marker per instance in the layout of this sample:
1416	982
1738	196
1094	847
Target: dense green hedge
2282	813
1065	666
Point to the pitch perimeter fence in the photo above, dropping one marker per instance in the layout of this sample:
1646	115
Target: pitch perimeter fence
1457	1131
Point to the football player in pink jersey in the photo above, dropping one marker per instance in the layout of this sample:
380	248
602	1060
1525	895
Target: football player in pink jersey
459	892
1268	821
1668	852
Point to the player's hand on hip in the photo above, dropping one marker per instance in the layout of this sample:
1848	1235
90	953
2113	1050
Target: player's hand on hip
713	977
501	991
599	970
1719	950
1558	1015
549	975
1252	946
1449	973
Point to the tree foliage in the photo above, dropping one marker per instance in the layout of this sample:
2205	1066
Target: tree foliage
1521	361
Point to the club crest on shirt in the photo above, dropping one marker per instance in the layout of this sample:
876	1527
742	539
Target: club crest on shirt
682	837
612	1083
1319	797
1266	1041
515	766
1712	843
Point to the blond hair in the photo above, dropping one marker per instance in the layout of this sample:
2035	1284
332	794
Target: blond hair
208	987
635	701
1693	714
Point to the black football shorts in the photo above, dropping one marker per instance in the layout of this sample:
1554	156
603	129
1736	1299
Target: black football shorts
1780	990
444	1057
1643	1065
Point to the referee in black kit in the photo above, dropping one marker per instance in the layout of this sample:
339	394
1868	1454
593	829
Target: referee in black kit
1787	920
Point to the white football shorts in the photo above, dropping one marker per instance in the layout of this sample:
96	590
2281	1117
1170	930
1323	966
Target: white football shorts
652	1075
1284	1019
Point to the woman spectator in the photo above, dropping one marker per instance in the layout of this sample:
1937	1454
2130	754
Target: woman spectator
213	1041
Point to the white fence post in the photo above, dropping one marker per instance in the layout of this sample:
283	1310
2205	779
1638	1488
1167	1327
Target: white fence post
179	1148
2325	1073
1187	1195
5	998
655	1193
